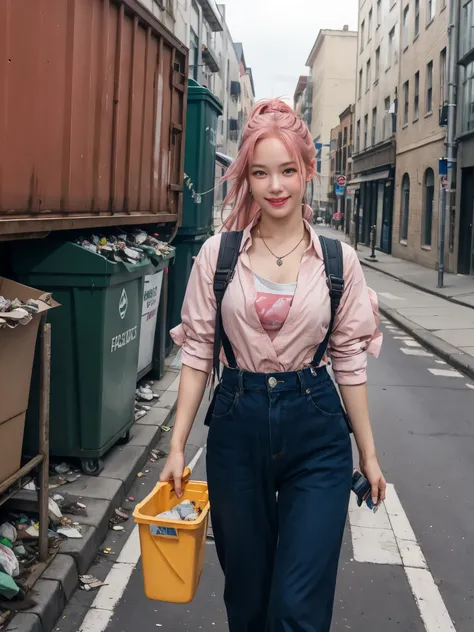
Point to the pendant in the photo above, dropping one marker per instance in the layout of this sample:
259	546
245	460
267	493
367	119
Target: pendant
279	262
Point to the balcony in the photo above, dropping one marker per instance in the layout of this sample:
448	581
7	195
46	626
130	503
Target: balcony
210	58
211	14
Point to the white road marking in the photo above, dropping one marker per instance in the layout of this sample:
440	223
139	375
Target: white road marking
440	362
391	297
103	607
387	537
402	338
433	612
445	372
413	343
417	352
471	386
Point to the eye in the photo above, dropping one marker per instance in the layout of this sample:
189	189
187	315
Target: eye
258	173
290	171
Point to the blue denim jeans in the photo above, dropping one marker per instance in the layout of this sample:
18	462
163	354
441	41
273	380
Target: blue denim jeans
279	466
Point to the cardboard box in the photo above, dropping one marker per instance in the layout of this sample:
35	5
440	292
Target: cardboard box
17	350
11	441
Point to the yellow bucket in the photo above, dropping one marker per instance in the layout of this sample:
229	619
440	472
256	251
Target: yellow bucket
172	550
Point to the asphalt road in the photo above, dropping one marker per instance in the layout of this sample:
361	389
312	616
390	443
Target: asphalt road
424	430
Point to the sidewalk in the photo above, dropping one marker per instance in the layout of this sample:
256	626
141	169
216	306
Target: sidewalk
101	495
441	319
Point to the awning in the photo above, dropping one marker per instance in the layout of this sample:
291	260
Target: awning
381	175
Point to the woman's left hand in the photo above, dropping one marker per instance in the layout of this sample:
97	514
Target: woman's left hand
371	470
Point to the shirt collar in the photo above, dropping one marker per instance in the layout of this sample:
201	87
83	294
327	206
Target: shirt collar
247	237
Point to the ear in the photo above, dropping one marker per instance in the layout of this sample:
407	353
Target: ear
311	170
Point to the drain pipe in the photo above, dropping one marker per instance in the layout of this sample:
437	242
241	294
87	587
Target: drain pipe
451	143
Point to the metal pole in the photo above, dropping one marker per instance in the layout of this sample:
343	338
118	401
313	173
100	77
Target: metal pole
442	231
200	73
451	145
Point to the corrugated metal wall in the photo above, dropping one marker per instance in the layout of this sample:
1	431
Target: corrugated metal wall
92	115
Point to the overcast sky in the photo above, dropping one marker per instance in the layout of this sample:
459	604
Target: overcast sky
278	35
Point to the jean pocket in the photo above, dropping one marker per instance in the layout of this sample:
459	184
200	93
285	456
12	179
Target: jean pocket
225	403
325	399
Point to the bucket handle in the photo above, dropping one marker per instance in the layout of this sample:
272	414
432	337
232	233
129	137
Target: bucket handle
185	479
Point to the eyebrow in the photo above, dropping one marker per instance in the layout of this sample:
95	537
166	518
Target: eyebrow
285	164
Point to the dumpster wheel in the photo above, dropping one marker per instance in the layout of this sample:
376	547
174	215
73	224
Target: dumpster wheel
125	438
92	467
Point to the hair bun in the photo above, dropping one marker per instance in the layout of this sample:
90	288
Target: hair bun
271	106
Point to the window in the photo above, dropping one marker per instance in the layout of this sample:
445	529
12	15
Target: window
367	77
344	160
362	35
443	84
344	142
360	82
377	64
430	11
369	27
388	119
406	96
374	126
468	97
428	207
405	208
350	134
416	98
366	129
358	136
391	47
193	54
405	26
417	17
466	34
429	88
379	13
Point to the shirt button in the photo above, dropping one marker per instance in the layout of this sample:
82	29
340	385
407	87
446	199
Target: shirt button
272	382
308	391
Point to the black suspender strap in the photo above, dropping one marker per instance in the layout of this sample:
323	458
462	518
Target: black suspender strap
227	260
334	266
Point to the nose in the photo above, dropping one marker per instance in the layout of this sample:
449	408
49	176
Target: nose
275	185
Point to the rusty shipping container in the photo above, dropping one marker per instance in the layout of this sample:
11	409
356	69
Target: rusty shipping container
92	116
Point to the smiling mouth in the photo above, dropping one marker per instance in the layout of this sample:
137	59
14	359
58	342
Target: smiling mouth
277	201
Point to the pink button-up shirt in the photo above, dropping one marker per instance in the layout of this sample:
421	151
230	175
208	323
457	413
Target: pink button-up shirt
354	333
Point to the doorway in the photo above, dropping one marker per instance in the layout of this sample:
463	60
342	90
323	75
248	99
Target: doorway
465	222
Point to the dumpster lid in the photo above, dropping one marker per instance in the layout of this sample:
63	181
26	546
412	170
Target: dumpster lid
197	92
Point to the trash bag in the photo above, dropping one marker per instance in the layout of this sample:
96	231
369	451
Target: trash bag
8	562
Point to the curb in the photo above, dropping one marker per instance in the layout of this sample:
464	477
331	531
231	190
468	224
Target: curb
101	494
457	359
431	291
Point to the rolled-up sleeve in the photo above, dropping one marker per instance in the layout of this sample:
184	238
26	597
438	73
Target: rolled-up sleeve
355	331
195	334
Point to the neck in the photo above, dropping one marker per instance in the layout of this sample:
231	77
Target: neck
280	230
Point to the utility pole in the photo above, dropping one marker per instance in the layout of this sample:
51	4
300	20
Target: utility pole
449	201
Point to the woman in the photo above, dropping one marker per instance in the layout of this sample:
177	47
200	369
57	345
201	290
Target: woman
279	457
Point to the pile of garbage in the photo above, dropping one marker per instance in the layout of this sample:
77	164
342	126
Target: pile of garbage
131	247
187	511
16	312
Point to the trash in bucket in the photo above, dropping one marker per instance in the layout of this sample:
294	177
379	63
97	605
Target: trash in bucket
173	549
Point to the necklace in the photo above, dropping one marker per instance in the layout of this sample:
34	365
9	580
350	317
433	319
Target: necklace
279	260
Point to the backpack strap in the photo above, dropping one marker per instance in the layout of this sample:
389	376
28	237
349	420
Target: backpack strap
229	251
334	266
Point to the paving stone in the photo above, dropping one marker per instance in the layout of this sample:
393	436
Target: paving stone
124	464
84	550
168	400
144	435
96	487
98	514
25	622
155	417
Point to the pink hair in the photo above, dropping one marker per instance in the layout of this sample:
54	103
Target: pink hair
269	119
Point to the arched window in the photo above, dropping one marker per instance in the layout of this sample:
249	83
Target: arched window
405	208
428	205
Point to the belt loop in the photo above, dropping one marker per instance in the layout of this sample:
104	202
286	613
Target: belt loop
302	381
241	382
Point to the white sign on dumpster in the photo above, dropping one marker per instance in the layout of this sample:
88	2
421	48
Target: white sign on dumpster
151	302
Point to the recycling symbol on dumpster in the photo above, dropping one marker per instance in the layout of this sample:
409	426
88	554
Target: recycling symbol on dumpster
123	305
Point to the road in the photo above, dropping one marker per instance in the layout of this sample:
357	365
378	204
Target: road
422	413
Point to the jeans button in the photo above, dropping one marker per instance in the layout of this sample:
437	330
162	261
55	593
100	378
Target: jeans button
272	382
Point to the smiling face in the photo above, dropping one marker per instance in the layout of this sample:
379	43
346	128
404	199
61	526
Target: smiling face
275	180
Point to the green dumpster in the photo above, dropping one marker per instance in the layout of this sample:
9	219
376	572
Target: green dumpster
95	346
187	247
203	110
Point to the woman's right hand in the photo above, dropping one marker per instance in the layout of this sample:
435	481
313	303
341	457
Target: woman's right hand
173	470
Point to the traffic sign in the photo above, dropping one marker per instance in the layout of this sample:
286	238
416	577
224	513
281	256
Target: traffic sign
341	181
339	190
